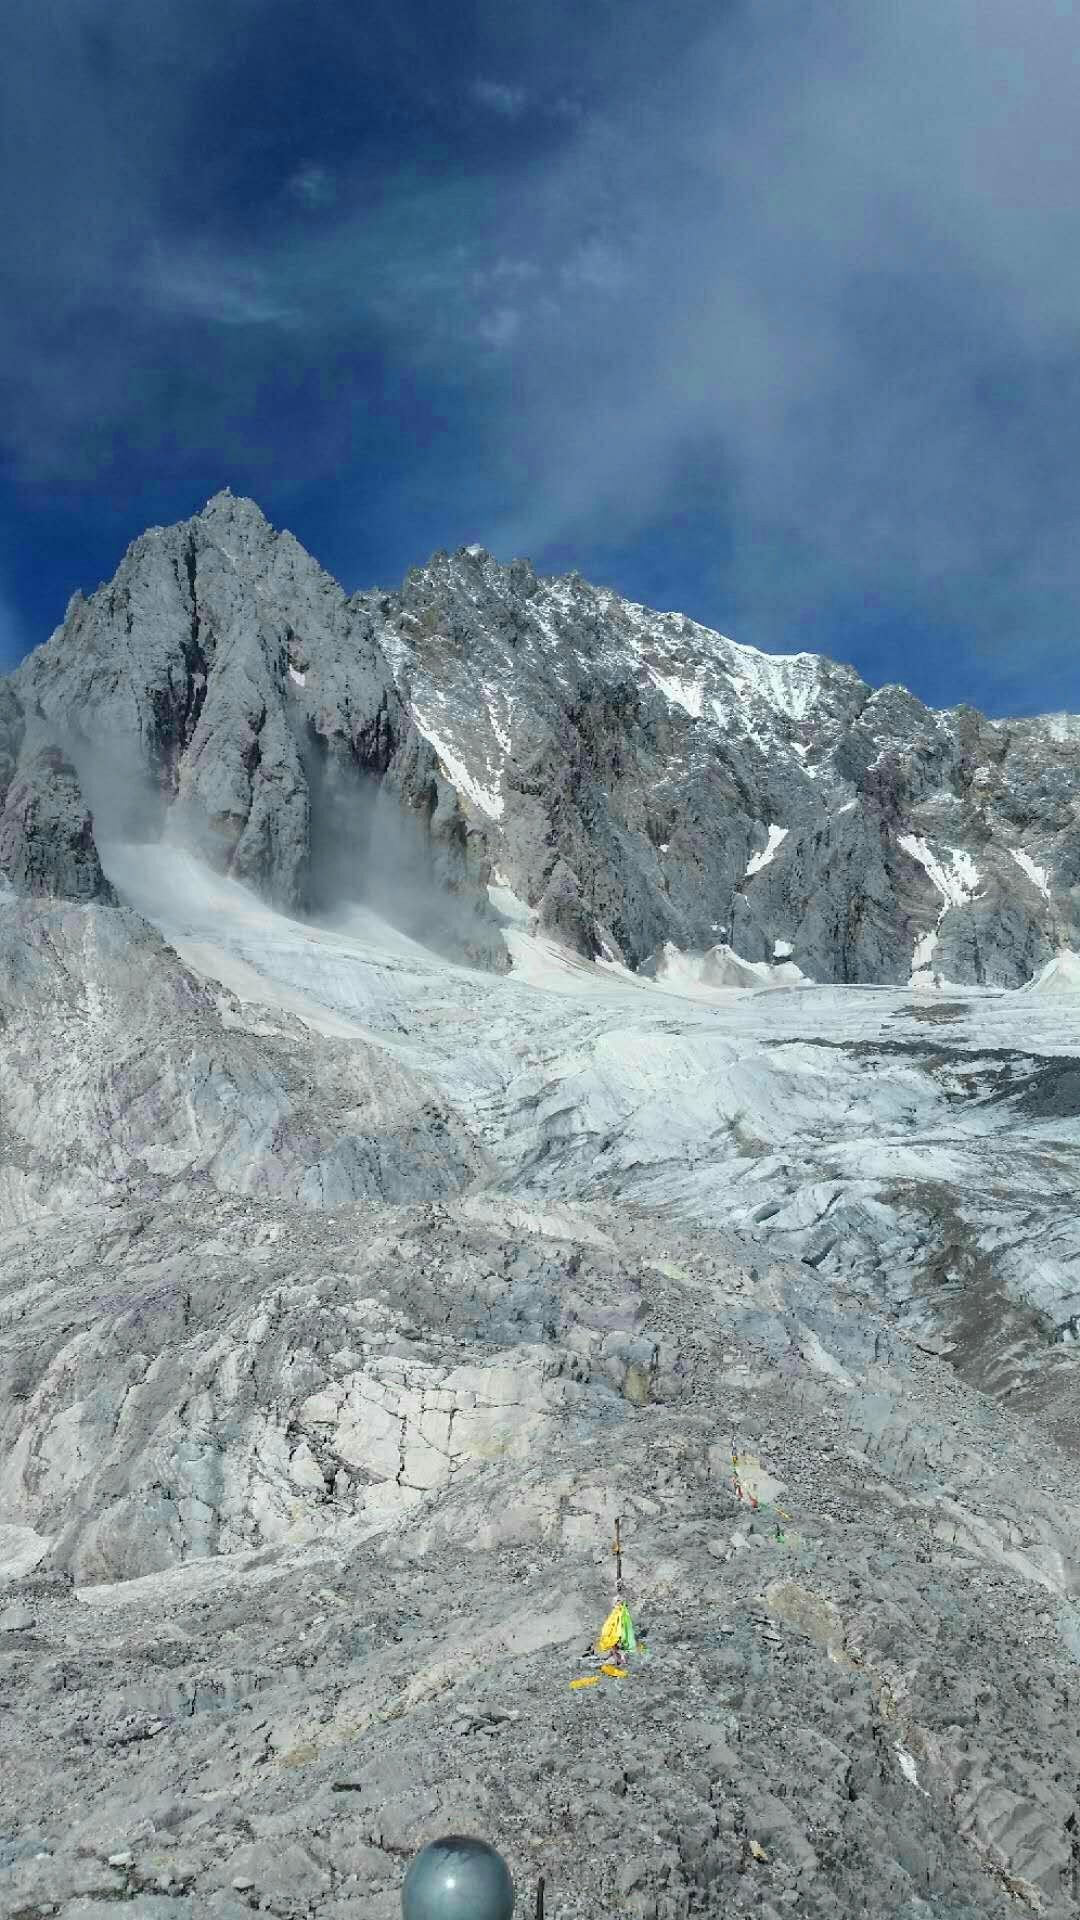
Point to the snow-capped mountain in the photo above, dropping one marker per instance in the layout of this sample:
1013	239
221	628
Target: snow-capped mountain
650	787
645	782
221	689
408	1165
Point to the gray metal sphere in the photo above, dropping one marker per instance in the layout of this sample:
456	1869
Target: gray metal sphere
458	1878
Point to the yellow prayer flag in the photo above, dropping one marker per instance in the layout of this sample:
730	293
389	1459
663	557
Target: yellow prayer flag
611	1631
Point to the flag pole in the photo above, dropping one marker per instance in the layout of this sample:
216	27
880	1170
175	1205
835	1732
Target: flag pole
620	1655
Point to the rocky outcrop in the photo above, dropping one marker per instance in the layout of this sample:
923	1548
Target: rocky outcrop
47	841
12	727
220	689
701	793
564	915
641	781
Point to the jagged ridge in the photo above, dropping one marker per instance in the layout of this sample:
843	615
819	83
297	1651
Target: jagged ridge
633	771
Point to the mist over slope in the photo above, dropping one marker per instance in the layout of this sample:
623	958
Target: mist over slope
468	1060
181	694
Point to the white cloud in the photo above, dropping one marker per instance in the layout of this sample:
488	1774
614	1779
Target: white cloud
596	265
313	186
209	288
499	98
846	252
500	328
509	269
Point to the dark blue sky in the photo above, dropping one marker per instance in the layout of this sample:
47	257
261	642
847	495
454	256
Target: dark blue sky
766	310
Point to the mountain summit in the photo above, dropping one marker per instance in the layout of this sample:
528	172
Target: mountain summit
646	782
648	786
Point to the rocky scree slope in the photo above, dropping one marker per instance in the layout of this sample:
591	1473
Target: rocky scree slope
307	1481
643	781
360	1471
120	1067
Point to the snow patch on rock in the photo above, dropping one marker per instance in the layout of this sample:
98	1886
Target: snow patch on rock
907	1766
777	836
686	694
956	879
1036	874
788	681
1060	975
487	798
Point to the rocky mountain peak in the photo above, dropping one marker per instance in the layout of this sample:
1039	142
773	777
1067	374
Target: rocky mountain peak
220	689
643	782
635	767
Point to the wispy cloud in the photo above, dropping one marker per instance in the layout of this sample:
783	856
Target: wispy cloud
505	269
500	98
313	186
845	246
214	289
501	327
597	265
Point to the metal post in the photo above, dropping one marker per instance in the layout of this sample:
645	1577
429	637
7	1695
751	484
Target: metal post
540	1899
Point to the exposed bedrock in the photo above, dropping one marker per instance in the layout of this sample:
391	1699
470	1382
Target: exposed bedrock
658	762
390	747
220	689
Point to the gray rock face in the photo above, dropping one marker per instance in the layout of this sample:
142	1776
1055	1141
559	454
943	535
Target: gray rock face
649	758
221	689
629	772
46	830
47	841
564	914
